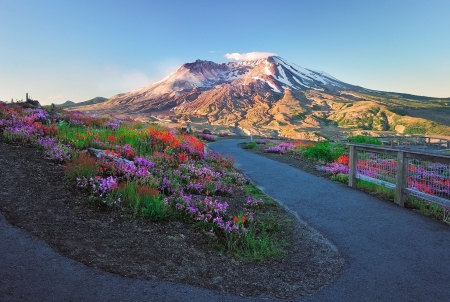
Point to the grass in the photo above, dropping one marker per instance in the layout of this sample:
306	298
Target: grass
342	178
257	244
364	139
145	202
324	151
250	145
82	165
156	174
426	208
374	189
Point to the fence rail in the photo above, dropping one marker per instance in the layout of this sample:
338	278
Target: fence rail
416	140
442	144
423	175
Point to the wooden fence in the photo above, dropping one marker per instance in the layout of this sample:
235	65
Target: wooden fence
442	144
401	180
416	140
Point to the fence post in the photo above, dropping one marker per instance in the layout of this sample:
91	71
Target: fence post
205	149
401	180
352	168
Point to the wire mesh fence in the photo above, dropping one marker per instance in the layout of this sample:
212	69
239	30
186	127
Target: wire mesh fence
377	165
427	176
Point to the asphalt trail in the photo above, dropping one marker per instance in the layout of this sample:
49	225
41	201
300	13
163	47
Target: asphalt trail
391	254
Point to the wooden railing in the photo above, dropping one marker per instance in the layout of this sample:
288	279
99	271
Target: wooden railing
442	144
416	140
401	178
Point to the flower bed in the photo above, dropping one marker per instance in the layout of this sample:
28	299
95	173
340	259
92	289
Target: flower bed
155	172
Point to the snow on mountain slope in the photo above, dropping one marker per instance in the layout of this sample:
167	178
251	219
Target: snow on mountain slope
276	73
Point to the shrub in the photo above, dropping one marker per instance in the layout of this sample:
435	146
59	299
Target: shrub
364	139
324	151
250	145
82	165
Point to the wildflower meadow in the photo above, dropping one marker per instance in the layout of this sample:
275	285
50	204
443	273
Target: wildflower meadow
149	172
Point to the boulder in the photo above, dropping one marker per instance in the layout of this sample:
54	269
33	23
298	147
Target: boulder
206	131
102	153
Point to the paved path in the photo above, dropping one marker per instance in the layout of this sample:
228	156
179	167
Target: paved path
391	254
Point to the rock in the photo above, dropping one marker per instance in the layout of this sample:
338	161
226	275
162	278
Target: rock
211	236
399	128
102	153
206	131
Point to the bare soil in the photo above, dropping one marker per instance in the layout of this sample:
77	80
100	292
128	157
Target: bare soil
35	197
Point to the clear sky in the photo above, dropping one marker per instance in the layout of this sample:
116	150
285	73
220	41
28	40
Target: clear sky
59	50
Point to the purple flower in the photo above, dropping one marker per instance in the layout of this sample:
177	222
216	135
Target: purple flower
253	202
143	162
334	168
112	125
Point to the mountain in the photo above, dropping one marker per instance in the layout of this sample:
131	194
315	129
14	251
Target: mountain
273	96
70	104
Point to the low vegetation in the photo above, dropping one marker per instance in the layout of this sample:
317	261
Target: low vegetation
333	159
153	173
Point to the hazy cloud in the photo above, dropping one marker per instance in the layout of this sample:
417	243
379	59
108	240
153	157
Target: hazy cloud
249	55
55	97
133	80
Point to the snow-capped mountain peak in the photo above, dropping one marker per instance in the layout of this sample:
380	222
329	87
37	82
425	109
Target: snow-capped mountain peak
272	74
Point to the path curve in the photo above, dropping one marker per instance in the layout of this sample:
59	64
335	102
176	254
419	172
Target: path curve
391	253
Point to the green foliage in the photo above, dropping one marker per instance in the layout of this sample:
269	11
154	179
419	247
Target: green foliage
250	145
364	139
376	190
255	245
428	209
342	178
416	128
324	151
145	202
251	190
81	165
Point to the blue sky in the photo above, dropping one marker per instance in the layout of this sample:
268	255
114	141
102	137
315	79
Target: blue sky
76	50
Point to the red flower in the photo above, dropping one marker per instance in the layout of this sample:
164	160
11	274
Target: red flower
343	159
243	219
182	157
236	219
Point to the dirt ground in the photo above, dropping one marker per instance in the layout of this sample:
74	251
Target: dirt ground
34	197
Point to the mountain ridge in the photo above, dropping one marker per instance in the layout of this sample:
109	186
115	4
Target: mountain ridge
267	95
